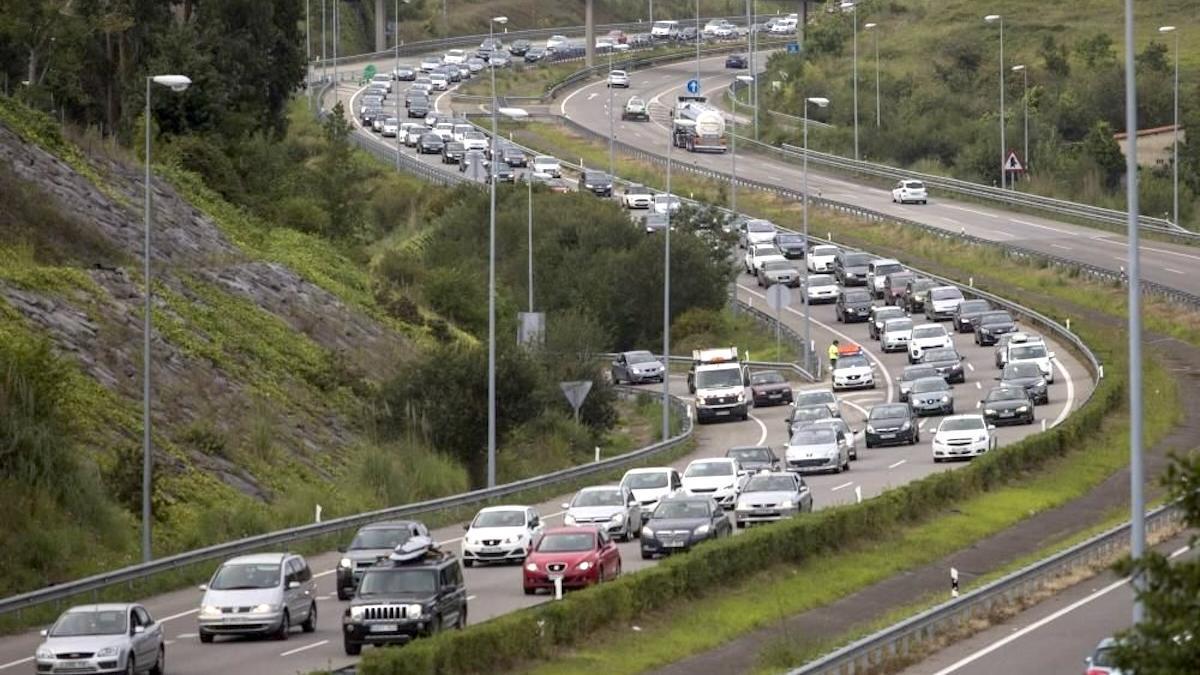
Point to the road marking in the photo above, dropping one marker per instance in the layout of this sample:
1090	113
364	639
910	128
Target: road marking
1172	270
921	424
892	466
179	615
1042	227
978	213
762	438
305	648
186	636
978	385
1065	248
970	367
978	405
326	573
168	642
10	664
470	597
1070	393
843	485
856	406
1163	250
592	95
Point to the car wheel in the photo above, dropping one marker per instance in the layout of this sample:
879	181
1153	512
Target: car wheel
937	460
467	562
530	591
310	623
160	664
854	456
351	648
846	467
870	445
130	666
285	627
1029	420
647	556
916	438
205	637
461	622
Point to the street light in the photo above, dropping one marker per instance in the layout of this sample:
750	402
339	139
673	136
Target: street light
1025	98
177	83
746	80
697	40
491	378
666	389
991	18
875	37
820	102
611	130
1175	142
850	6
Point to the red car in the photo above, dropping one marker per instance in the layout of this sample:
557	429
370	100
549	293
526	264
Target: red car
580	556
618	36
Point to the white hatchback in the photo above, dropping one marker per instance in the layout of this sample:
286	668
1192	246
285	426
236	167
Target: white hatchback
927	336
910	191
963	437
820	258
618	78
547	164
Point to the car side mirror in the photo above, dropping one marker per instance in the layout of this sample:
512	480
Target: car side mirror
44	632
466	526
203	587
991	427
565	506
137	630
1050	355
293	584
342	549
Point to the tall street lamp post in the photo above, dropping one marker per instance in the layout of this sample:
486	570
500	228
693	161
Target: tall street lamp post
1020	68
1175	142
746	80
850	7
875	37
820	102
611	130
491	376
666	390
990	18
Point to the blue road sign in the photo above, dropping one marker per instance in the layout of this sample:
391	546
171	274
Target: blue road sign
793	47
693	87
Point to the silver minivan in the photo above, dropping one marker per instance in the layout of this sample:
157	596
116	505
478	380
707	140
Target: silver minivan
262	594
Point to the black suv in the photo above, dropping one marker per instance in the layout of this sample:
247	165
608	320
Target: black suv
850	267
397	602
853	305
372	545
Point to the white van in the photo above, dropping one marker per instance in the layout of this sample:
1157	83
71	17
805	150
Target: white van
664	29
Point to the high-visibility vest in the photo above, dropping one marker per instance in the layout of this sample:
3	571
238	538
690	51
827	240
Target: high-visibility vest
833	352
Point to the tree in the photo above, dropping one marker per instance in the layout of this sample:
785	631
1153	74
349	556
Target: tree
1154	58
339	176
1054	57
1100	147
1167	641
1096	50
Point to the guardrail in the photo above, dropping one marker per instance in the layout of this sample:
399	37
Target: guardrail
303	532
905	639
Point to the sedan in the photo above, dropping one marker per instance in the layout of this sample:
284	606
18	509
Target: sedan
931	396
778	272
894	286
967	312
513	156
853	371
609	508
820	259
430	144
575	557
518	47
989	326
791	245
104	638
818	448
754	458
535	54
896	334
927	336
768	387
824	397
500	534
636	368
880	315
736	61
1007	405
911	374
892	424
853	305
405	73
947	362
547	164
907	191
719	479
618	78
452	152
804	415
820	288
962	437
596	182
681	522
1027	376
772	496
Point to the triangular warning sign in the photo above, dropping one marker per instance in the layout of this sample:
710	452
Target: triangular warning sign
1013	163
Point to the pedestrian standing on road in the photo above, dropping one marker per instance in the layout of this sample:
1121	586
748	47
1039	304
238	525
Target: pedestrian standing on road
833	357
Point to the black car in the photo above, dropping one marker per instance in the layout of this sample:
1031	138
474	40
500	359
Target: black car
518	47
514	156
430	144
879	315
681	522
790	245
1028	376
915	292
406	73
737	61
966	313
850	267
452	152
931	396
368	115
687	34
911	374
804	414
418	107
755	458
892	424
371	544
946	361
768	387
1007	405
399	601
989	326
535	54
504	173
852	305
596	182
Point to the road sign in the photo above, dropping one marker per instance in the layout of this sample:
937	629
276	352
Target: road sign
531	327
793	47
1013	163
369	72
576	392
779	296
693	87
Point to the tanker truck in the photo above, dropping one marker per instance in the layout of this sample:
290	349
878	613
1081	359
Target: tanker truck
697	126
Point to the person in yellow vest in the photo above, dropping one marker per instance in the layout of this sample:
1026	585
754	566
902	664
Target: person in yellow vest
833	357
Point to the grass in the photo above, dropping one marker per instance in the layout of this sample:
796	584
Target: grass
699	329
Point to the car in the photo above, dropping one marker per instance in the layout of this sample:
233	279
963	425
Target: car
941	302
853	371
1022	347
618	37
504	173
534	54
759	254
892	424
947	362
664	203
1028	376
556	41
390	127
612	509
909	191
455	130
547	164
475	140
440	80
801	416
915	292
894	286
754	458
710	28
724	31
839	424
778	272
687	34
820	288
682	522
769	387
500	534
574	557
513	156
814	449
102	638
596	182
635	109
770	496
498	60
456	72
911	374
367	115
636	367
878	270
418	591
423	85
790	244
519	47
852	305
414	134
650	485
476	166
966	313
931	396
962	437
879	315
784	25
618	78
756	231
430	144
405	73
636	196
430	63
1103	661
664	29
896	334
278	589
554	184
604	43
418	107
821	258
824	397
475	64
1007	405
989	326
491	44
850	267
927	336
655	222
719	478
452	152
370	543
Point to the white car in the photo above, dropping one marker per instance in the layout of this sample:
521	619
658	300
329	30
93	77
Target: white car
446	131
760	254
663	29
637	196
390	127
475	140
895	334
424	87
439	81
547	164
662	202
817	448
414	134
820	258
907	191
820	288
963	436
927	336
612	508
720	478
430	63
618	78
839	424
784	26
556	42
455	56
854	371
710	28
824	397
756	231
500	534
650	485
877	271
941	302
724	30
1028	348
460	130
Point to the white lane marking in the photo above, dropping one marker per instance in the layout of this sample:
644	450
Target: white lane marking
1163	250
18	662
1070	393
1042	227
305	648
763	437
326	573
179	615
186	636
921	425
470	597
1180	551
856	406
562	108
843	485
979	404
979	385
1042	622
1065	248
970	367
965	209
168	642
892	466
1172	270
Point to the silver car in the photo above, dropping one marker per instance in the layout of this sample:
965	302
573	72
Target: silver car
260	594
818	448
611	507
771	496
108	638
778	272
637	367
840	425
895	334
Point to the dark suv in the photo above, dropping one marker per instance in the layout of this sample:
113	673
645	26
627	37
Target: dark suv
371	544
397	602
853	305
850	267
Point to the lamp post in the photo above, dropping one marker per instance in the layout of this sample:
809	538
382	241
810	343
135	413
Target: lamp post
529	184
308	53
611	130
990	18
1020	68
850	6
875	37
697	40
666	389
395	72
1175	142
746	80
177	83
491	377
820	102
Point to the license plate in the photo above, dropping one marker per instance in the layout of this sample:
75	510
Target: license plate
887	435
73	664
1006	413
554	577
774	395
673	544
722	412
764	512
490	549
384	628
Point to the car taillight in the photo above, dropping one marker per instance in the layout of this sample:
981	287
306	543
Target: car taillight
1097	671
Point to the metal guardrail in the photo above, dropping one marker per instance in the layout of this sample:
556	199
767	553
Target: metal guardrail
905	639
311	531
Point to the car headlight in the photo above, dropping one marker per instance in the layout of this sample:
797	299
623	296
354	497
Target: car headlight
647	531
111	651
209	611
618	518
1023	408
344	562
44	654
1040	383
414	610
945	399
989	411
532	567
701	531
907	424
514	539
981	439
356	613
786	504
870	429
741	396
263	608
584	566
568	519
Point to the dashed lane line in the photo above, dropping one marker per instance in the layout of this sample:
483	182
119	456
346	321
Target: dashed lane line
305	648
896	464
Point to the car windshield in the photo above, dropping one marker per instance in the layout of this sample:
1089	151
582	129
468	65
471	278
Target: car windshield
512	518
811	413
708	469
719	378
941	355
856	259
899	281
853	361
767	377
912	373
598	498
750	454
639	357
636	102
995	317
858	296
90	622
397	581
887	268
892	325
1105	657
923	286
967	306
821	280
814	436
962	424
914	185
1027	352
760	226
946	294
771	484
618	73
681	509
645	481
380	538
761	251
814	397
882	412
1005	394
824	250
545	160
1022	370
927	385
241	576
928	332
567	542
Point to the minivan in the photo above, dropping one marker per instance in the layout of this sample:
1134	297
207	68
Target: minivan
261	594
